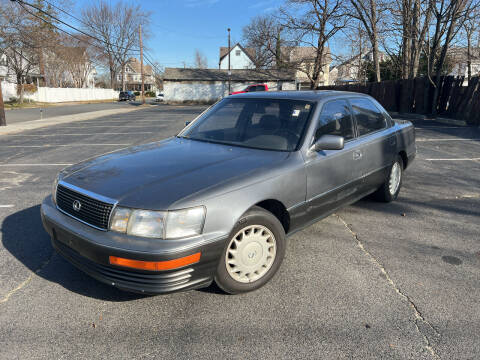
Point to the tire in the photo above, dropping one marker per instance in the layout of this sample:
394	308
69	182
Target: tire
390	189
259	239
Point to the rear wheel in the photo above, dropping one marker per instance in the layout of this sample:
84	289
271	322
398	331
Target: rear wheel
391	187
253	252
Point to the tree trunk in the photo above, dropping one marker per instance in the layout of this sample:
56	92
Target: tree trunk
376	61
41	65
440	63
278	49
469	57
123	77
376	55
20	100
414	57
317	67
434	46
406	38
112	72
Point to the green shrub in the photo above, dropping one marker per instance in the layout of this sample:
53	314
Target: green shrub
150	94
137	93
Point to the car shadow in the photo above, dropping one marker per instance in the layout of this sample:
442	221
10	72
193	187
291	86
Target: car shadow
24	237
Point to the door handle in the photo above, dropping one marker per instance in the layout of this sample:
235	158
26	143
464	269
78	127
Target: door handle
357	154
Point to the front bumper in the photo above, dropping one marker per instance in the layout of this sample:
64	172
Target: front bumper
89	250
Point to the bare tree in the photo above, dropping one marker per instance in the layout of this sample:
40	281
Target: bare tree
450	16
265	35
17	44
314	22
414	17
471	27
116	28
370	14
200	60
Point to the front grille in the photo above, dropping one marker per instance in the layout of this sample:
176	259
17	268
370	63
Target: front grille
91	211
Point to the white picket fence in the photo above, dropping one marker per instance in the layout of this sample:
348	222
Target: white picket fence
51	95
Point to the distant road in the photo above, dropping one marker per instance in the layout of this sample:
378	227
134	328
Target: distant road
20	115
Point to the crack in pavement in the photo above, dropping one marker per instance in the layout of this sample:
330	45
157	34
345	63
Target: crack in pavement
27	280
417	313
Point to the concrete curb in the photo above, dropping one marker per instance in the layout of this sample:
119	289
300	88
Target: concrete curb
57	120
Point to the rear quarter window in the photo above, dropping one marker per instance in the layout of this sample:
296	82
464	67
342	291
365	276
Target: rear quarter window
369	118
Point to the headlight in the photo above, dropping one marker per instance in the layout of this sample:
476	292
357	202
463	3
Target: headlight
120	219
146	223
182	223
54	189
158	224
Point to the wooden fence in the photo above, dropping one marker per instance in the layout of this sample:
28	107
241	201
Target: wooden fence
415	96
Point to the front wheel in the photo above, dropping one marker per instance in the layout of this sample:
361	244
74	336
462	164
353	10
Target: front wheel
253	253
391	187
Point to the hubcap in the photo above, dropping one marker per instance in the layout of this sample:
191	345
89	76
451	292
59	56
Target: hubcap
250	253
395	175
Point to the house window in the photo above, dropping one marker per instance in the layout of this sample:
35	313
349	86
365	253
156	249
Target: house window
237	52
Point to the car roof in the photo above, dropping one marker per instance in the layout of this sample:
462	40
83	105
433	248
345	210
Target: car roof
307	95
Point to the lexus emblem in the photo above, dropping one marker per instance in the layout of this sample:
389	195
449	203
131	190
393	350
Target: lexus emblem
77	205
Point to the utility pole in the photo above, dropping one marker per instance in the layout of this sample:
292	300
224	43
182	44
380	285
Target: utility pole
3	120
229	72
141	63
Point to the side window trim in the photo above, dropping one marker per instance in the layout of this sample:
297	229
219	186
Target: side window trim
358	136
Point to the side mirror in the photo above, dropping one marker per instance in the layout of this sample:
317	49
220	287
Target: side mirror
328	142
187	123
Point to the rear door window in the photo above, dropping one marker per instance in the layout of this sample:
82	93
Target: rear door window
369	118
260	87
335	119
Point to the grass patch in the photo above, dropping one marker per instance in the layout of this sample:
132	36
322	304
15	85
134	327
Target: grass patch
17	105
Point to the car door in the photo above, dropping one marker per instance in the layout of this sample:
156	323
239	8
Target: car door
376	139
333	175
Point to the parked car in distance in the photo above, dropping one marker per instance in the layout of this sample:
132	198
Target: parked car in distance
217	201
251	88
159	97
126	96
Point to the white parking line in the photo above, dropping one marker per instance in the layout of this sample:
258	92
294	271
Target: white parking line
442	127
453	139
7	206
123	121
107	126
60	164
103	133
461	159
59	145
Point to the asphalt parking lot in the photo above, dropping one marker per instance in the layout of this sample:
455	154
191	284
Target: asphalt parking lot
375	280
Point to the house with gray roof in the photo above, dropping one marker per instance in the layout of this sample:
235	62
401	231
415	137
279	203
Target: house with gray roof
210	85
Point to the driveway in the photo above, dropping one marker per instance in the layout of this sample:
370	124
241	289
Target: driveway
375	280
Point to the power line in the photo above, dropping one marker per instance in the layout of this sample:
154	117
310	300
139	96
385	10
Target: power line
21	3
58	28
82	40
66	13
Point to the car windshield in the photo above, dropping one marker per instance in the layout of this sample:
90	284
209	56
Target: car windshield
123	93
270	124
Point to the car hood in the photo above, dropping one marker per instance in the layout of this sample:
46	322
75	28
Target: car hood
156	175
